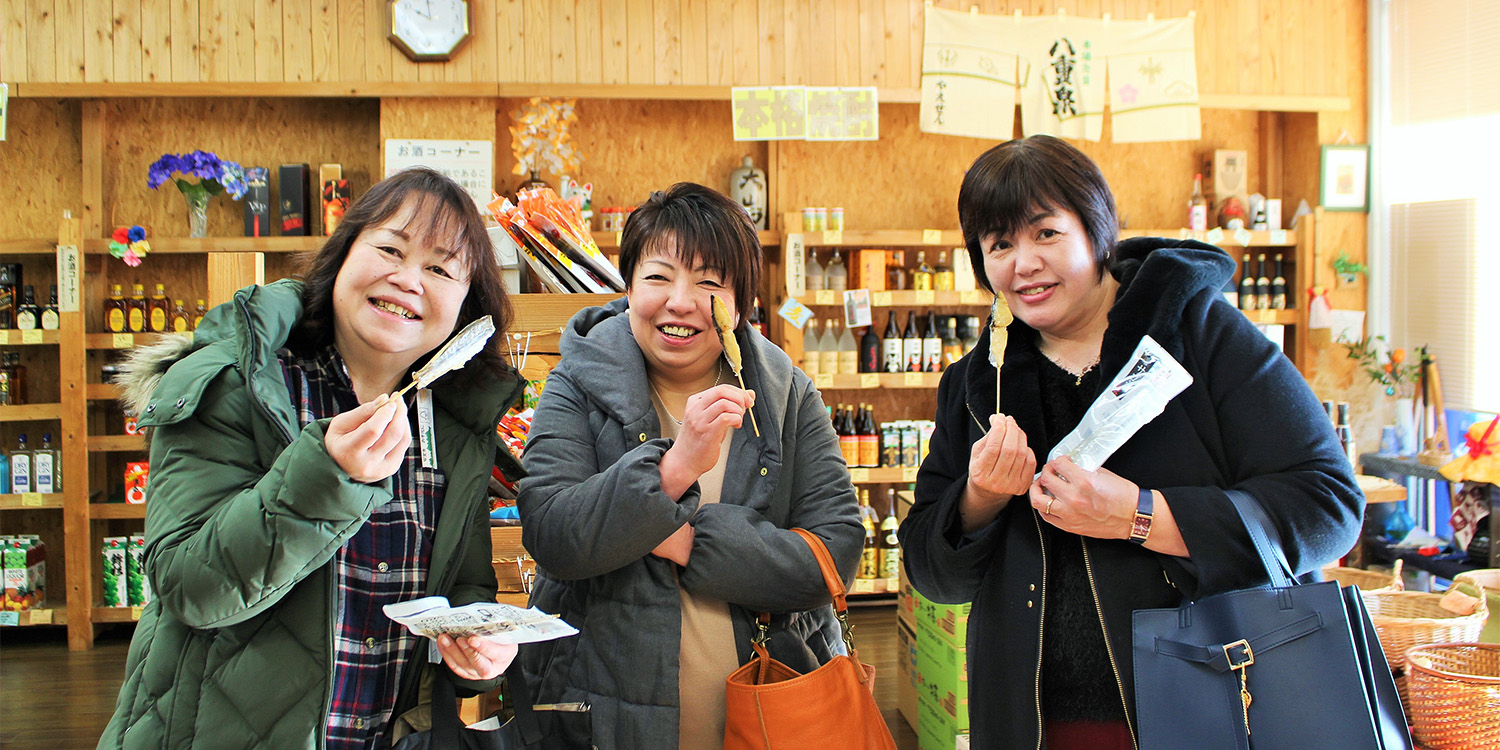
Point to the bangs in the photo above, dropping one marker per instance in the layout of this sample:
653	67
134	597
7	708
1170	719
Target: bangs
1005	201
432	220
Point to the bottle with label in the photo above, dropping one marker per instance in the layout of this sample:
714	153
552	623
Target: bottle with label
10	297
932	345
758	317
895	361
836	278
969	335
198	314
1346	433
135	310
20	467
921	279
848	441
159	311
1278	287
953	349
942	276
848	352
896	278
1198	206
44	467
869	438
812	274
50	318
890	544
812	350
911	345
869	561
1247	285
870	355
28	315
114	310
16	373
1262	284
830	350
181	323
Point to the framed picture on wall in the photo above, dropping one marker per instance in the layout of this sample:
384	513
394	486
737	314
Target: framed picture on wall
1345	178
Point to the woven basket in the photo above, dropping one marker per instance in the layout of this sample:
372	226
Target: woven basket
1455	695
1489	578
1366	580
1404	619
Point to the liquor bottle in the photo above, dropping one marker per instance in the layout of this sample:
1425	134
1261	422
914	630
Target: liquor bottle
830	350
17	375
181	323
896	278
869	351
911	345
812	273
869	437
848	441
1247	286
198	314
114	310
932	345
921	279
1278	287
953	349
812	350
28	315
159	311
44	466
848	352
135	310
1346	434
10	282
757	318
836	278
890	547
942	276
20	467
1197	206
869	561
970	334
1262	284
894	359
6	397
50	318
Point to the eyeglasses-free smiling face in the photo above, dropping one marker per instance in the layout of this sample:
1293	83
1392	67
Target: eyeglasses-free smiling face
1047	272
671	315
399	292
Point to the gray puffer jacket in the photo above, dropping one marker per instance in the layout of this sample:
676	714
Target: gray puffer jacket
592	509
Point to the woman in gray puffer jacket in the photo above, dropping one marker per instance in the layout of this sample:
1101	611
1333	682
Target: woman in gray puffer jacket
658	518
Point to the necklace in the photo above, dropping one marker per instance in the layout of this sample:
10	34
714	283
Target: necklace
1078	375
718	381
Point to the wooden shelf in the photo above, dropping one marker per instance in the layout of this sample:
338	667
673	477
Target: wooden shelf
29	246
1277	238
611	241
126	340
31	501
55	613
30	412
99	511
33	337
936	238
884	475
178	245
874	380
101	391
116	443
905	298
1282	317
117	614
874	586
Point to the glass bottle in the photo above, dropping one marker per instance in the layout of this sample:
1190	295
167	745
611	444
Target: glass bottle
1197	206
44	466
932	345
870	355
20	467
198	314
890	544
911	345
896	278
7	398
953	349
114	310
159	311
836	278
921	279
970	335
869	438
814	278
181	323
812	350
848	441
135	310
1262	284
1247	285
869	560
1278	287
28	315
895	361
830	350
942	276
50	318
848	353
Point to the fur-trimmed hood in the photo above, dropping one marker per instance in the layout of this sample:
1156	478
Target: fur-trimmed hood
142	369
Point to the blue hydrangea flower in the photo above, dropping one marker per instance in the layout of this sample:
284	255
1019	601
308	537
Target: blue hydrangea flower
214	175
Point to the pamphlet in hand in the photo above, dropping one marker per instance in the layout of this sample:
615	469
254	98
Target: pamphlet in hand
502	623
1135	397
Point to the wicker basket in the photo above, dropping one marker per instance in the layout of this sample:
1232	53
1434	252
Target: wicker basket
1489	578
1366	580
1455	695
1404	619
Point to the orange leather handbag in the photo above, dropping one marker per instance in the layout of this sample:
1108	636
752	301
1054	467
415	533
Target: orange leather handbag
772	707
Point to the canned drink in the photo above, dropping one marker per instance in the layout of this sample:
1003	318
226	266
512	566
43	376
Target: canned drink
820	218
836	219
810	220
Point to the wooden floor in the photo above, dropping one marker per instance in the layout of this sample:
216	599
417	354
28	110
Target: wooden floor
54	699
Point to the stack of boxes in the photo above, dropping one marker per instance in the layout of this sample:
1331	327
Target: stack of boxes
23	560
932	690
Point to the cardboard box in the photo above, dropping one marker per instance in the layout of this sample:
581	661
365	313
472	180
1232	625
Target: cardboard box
294	211
137	475
907	677
24	564
934	734
870	273
335	195
906	602
1227	175
950	621
944	680
114	571
257	202
137	587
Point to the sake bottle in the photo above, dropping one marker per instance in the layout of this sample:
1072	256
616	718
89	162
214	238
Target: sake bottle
836	278
830	350
813	273
812	350
848	353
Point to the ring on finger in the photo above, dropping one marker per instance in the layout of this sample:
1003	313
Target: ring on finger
1047	511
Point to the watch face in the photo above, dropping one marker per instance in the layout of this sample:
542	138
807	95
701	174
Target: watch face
430	27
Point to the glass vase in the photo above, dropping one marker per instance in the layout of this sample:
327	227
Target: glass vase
197	208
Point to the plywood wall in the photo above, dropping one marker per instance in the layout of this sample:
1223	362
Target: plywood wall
1279	47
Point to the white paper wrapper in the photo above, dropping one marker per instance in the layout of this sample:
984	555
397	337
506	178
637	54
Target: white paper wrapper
1136	396
502	623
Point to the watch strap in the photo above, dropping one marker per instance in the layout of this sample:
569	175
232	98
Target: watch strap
1140	527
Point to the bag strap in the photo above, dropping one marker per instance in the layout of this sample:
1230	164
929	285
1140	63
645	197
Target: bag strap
835	586
1264	535
448	728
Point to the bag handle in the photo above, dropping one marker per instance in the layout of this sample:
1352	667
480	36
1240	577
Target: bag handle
836	589
1264	535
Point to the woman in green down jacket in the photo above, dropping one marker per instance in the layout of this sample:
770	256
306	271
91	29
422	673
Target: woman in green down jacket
288	501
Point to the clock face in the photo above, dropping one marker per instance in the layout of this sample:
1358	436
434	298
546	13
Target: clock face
429	29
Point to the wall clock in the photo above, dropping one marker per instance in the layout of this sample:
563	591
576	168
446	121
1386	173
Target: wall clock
428	30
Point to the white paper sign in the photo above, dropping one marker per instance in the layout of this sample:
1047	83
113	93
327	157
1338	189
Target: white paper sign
68	273
968	75
470	163
795	312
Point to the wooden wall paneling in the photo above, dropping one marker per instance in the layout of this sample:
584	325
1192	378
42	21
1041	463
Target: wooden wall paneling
510	36
538	38
745	50
323	15
352	46
13	55
73	443
240	39
1272	56
822	61
615	34
378	48
666	31
213	40
156	45
185	43
38	29
640	43
916	17
563	29
483	47
772	42
269	55
68	17
1294	39
845	42
98	40
94	133
296	41
898	69
719	42
588	41
42	174
1246	19
694	35
230	272
1273	158
1315	52
871	43
797	41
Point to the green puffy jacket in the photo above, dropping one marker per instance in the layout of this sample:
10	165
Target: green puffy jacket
245	512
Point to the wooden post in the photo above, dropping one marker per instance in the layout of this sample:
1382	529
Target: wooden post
72	354
230	272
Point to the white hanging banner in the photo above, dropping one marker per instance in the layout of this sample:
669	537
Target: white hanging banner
1153	81
969	75
1064	92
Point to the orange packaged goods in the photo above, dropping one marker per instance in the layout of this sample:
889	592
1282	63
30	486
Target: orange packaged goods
555	244
136	474
25	570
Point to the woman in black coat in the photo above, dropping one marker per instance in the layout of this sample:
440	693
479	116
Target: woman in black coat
1055	564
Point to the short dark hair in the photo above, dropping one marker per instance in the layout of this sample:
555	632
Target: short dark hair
448	211
1009	183
709	230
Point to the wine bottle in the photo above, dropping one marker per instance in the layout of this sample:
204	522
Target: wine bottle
869	560
28	315
1197	206
812	350
895	361
813	277
953	348
50	319
1278	287
890	544
911	345
1262	284
942	276
836	277
869	438
1247	286
869	351
932	345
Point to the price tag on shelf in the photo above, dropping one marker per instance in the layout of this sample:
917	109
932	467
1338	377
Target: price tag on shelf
10	619
825	297
1278	237
1243	237
123	341
908	473
1214	236
880	299
833	237
33	500
913	379
971	297
823	380
5	338
619	238
863	586
41	617
32	336
926	297
932	236
859	476
869	380
135	612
